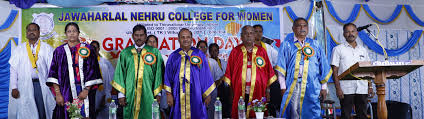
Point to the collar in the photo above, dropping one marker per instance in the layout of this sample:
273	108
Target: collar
136	47
348	45
297	40
35	44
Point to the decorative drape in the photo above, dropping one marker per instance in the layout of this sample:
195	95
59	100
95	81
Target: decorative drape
5	76
10	19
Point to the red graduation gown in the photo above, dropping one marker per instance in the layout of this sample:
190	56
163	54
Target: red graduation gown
262	75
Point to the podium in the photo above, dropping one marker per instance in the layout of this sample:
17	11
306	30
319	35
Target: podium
379	71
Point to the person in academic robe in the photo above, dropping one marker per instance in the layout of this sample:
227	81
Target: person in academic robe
152	40
103	94
302	66
249	72
216	74
188	80
29	67
275	95
74	74
223	89
138	76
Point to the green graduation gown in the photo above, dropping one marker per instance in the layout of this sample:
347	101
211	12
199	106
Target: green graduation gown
139	77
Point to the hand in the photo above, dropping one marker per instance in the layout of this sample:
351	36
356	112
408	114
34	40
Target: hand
370	92
83	94
339	93
283	91
323	94
170	99
268	97
59	99
103	101
158	99
207	100
218	82
15	93
122	101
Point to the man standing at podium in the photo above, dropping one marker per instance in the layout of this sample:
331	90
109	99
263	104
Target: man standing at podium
350	92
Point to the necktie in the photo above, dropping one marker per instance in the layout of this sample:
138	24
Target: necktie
138	50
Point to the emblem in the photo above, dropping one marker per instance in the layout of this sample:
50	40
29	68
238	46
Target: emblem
260	61
308	51
149	58
46	23
84	52
196	60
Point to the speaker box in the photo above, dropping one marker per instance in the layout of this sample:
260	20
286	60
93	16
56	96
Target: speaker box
395	110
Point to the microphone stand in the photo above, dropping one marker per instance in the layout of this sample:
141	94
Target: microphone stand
386	58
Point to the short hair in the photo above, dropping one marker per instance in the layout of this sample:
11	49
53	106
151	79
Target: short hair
95	42
213	45
243	29
348	24
183	30
299	19
32	23
72	24
156	38
201	41
258	25
139	27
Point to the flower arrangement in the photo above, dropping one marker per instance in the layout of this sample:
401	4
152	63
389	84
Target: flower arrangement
259	105
74	108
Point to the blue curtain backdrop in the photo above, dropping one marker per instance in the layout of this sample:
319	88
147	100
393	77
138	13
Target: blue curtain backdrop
5	76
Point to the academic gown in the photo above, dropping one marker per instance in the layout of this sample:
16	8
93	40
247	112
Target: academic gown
139	77
85	72
262	75
189	82
316	71
22	64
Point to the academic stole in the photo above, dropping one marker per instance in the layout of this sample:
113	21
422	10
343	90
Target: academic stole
33	57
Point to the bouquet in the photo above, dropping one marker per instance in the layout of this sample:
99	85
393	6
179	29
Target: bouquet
259	105
74	108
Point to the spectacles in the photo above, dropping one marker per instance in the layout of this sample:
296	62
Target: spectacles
203	47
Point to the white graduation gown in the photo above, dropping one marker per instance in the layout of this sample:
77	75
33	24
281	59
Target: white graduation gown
25	107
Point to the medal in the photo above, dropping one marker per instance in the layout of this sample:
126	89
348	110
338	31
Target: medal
308	51
196	60
84	52
149	58
260	62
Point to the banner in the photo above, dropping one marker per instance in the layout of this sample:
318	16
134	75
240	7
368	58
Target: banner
112	26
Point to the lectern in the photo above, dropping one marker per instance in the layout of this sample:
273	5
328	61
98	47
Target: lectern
379	71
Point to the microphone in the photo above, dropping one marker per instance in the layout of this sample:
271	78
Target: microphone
363	27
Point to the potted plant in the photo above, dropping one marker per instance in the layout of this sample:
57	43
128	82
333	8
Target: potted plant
74	109
259	106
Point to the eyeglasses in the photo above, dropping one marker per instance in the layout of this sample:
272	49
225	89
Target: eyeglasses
203	47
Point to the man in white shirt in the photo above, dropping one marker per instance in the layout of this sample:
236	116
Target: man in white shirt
29	67
103	94
350	92
218	72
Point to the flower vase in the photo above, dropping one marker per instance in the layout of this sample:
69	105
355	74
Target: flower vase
259	115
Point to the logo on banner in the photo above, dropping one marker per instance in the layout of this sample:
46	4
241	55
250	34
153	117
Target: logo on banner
46	23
